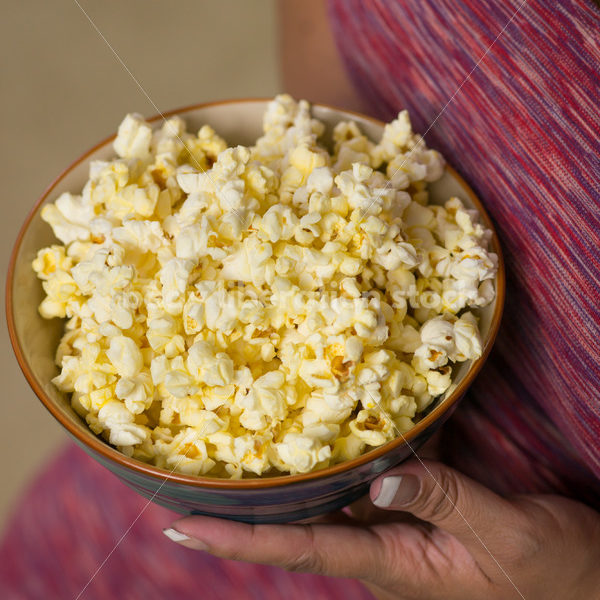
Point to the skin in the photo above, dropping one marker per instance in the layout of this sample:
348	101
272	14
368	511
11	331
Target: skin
311	67
454	539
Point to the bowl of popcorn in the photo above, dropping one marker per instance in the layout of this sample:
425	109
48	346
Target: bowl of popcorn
250	309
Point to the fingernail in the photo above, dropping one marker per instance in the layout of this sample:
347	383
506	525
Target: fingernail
184	540
397	490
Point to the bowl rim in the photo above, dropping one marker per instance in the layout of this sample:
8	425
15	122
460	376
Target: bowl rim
94	443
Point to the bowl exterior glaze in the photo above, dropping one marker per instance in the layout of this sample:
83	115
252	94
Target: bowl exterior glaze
282	504
261	500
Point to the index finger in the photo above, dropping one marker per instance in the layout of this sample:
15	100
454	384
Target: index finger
324	549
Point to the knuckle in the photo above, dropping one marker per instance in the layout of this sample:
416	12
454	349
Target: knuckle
441	500
383	570
308	559
530	543
237	554
305	562
520	544
532	523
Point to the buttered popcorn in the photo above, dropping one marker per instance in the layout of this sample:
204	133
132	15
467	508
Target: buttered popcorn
243	311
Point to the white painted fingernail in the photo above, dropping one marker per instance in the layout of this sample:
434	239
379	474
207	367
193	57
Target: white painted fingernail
387	492
175	535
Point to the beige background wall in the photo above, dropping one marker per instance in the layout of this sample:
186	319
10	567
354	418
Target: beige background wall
63	90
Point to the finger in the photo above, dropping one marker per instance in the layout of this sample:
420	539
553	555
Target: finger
364	512
383	594
480	519
335	550
338	517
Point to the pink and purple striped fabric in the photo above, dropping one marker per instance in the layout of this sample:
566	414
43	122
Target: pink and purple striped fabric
74	514
524	130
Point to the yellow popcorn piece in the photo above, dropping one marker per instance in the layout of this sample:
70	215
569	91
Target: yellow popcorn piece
306	160
302	453
133	138
372	427
51	259
209	367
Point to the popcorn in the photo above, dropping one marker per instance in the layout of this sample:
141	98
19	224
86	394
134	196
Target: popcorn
240	311
193	242
212	307
266	400
302	453
347	448
144	236
50	260
372	427
251	263
322	407
133	138
185	453
247	452
69	217
115	418
320	180
163	335
136	391
278	223
206	366
60	288
125	356
174	278
468	340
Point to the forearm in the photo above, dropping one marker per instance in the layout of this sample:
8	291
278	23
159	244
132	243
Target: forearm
310	63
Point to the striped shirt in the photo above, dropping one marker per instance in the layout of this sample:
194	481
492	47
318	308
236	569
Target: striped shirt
509	92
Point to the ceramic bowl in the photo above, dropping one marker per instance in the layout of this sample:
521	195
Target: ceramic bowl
262	500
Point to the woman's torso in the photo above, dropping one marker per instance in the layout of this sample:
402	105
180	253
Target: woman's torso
509	92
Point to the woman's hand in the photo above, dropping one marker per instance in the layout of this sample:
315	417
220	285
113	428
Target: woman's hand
436	534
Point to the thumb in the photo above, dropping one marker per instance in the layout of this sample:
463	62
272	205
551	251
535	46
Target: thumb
433	492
